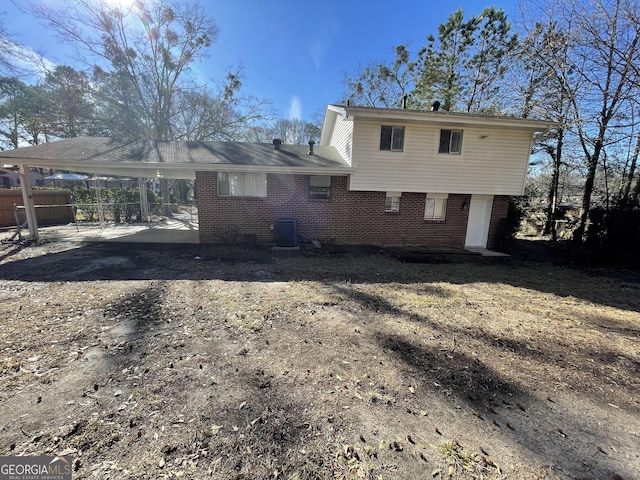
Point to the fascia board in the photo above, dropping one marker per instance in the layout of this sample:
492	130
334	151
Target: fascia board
446	118
184	170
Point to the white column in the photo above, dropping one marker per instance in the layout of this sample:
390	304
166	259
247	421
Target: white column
144	204
27	198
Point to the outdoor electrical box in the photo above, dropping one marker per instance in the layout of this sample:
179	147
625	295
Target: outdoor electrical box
286	232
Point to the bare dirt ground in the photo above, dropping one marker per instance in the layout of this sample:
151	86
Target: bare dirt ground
149	361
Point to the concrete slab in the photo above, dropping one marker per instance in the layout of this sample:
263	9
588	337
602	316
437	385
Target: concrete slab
485	252
164	231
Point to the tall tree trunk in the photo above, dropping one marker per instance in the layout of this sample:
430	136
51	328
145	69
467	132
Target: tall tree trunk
635	193
625	192
589	183
552	208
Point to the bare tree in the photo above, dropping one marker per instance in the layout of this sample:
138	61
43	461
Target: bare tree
144	50
381	85
150	46
589	53
224	115
609	45
545	81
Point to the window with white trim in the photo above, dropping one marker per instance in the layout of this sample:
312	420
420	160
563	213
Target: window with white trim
242	184
392	138
450	142
435	207
392	202
319	186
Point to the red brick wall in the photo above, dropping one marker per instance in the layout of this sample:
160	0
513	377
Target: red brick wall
347	217
498	212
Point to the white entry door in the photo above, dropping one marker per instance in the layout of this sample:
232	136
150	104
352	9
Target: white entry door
479	218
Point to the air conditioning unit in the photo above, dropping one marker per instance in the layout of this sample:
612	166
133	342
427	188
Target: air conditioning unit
286	232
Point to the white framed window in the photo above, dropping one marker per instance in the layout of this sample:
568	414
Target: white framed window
319	186
242	184
450	142
435	207
392	202
392	138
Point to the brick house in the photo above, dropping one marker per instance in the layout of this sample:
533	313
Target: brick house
377	176
402	177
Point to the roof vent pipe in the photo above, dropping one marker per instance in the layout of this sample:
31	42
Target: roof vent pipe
435	106
311	144
404	102
276	143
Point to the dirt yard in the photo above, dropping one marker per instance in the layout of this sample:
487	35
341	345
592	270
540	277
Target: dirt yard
190	362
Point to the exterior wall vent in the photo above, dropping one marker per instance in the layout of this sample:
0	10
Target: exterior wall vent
286	232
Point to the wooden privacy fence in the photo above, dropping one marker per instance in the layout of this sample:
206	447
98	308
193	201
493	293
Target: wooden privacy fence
52	207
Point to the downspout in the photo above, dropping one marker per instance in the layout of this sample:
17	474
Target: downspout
27	198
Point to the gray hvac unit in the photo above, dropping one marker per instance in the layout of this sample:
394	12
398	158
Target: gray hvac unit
286	232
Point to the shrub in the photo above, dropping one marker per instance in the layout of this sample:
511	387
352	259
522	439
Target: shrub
508	227
118	204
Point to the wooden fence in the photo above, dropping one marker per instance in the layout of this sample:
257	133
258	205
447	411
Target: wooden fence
52	207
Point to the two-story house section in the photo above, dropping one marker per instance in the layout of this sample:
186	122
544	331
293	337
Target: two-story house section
449	176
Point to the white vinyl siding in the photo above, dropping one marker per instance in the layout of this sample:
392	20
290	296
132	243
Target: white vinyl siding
342	138
242	184
493	161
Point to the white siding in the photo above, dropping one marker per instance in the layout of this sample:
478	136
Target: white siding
342	138
493	161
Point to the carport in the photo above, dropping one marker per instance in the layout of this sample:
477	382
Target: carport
99	156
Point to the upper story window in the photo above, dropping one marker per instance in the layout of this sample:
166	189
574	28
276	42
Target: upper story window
242	184
450	142
392	138
319	186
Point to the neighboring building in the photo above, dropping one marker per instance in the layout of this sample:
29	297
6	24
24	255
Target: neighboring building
378	176
10	179
413	178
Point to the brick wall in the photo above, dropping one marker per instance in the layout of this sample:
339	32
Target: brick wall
347	217
498	212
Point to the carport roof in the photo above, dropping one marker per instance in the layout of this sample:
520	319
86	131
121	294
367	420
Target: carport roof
175	159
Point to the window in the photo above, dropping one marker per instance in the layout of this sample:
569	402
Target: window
242	184
450	142
392	138
319	186
435	206
392	202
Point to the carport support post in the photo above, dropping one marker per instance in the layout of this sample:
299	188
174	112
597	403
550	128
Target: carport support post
144	202
27	198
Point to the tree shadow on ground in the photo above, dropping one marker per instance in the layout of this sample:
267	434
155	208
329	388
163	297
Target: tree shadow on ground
500	403
496	404
200	262
144	374
552	353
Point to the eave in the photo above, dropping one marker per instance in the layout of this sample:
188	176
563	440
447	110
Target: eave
442	118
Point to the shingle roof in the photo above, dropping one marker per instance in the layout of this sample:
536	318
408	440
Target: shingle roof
104	149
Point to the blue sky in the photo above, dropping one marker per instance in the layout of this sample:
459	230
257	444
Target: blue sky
293	53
